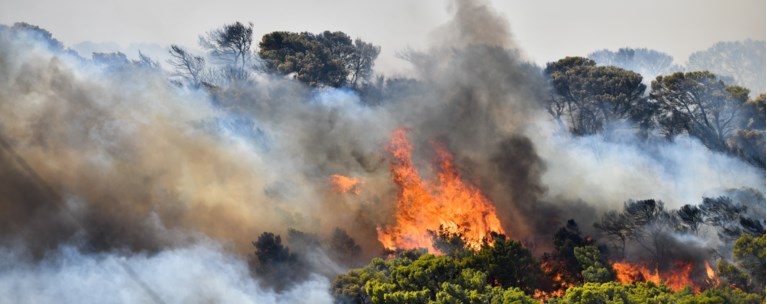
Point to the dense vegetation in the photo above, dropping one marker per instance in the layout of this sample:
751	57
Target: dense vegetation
505	272
587	97
638	90
577	270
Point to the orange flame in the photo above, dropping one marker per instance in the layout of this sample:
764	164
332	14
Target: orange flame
628	273
422	206
679	277
712	278
676	278
344	184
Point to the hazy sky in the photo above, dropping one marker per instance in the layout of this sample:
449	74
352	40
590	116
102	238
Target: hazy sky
545	29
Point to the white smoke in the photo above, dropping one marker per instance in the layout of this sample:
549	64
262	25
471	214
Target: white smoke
605	171
200	273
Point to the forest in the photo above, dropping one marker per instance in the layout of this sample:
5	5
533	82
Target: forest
284	168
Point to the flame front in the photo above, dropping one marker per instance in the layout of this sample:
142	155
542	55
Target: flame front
628	273
449	203
676	278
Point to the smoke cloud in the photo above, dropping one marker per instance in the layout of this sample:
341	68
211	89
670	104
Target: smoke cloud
196	274
111	167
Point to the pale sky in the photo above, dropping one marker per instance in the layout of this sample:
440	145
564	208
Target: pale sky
545	29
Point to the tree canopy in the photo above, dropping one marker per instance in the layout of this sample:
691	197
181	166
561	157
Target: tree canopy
742	61
587	97
699	104
649	63
325	59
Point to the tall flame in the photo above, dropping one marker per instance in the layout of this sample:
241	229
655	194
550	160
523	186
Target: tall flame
448	203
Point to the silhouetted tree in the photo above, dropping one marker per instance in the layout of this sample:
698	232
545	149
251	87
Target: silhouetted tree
345	248
230	46
724	215
700	105
327	58
562	263
275	262
507	264
648	63
615	225
188	66
749	141
360	65
588	97
743	61
34	31
691	217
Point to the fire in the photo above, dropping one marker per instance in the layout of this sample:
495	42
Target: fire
676	278
679	277
712	279
422	206
628	273
344	184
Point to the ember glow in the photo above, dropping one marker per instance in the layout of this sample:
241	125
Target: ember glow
345	184
422	206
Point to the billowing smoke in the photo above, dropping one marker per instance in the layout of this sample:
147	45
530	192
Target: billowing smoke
201	273
111	175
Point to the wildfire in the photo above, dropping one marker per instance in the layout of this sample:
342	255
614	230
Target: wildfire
676	278
712	279
422	206
628	273
344	184
679	277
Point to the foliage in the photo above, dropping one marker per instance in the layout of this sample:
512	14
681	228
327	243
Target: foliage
360	65
699	104
325	59
507	264
645	222
36	32
587	97
231	46
414	277
344	247
749	269
562	265
594	268
450	243
275	261
691	216
749	141
188	66
723	214
614	292
654	231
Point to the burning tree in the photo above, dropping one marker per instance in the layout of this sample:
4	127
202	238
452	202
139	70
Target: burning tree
448	204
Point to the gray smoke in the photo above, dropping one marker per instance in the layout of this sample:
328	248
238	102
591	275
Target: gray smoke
110	164
202	273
